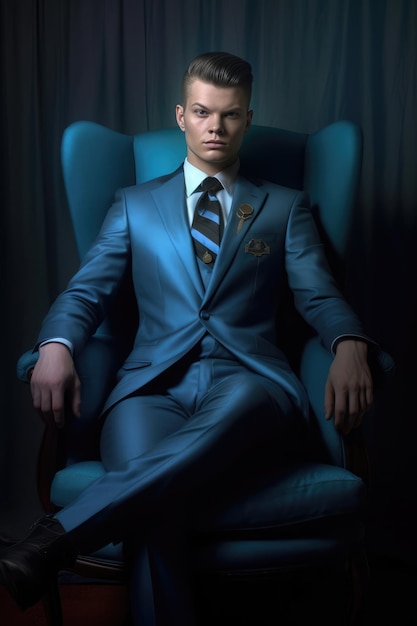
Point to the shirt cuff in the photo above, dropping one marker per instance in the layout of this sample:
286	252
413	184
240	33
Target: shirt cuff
59	340
341	338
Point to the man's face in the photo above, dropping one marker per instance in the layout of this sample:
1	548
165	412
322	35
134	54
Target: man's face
214	120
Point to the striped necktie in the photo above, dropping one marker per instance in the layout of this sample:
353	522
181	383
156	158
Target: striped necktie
207	226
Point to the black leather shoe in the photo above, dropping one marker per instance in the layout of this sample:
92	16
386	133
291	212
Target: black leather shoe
28	568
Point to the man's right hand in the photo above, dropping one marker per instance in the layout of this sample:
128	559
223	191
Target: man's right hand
54	382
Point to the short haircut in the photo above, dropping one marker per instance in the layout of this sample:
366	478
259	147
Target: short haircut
221	69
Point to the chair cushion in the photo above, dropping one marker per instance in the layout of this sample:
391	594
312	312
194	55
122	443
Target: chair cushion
300	495
292	498
297	516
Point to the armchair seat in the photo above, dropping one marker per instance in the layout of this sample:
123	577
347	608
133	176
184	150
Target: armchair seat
319	507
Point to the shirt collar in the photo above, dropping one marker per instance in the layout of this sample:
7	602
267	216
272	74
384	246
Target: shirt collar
194	177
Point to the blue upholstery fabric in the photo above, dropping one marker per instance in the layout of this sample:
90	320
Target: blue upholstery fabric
157	153
332	169
97	162
301	494
255	530
315	363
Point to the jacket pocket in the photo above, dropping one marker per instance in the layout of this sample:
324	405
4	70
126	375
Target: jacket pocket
135	364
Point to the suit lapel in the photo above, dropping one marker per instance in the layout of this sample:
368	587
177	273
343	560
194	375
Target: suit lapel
245	193
170	201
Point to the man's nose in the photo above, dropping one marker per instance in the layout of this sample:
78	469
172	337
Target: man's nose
217	126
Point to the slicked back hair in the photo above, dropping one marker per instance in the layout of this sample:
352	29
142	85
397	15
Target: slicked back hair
221	69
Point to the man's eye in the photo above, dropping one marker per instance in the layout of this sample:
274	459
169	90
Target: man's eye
201	112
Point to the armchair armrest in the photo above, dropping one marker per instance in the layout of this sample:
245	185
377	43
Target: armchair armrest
25	365
346	451
96	366
314	367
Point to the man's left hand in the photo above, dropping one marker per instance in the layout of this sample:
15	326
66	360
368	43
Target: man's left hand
349	387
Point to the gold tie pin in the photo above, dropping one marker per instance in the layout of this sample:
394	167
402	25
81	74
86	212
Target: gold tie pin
244	212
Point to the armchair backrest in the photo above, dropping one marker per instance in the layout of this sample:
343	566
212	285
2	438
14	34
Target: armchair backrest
97	161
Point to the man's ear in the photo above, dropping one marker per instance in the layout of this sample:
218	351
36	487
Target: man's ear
179	114
249	118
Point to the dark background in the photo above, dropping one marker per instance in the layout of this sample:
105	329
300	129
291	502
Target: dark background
119	63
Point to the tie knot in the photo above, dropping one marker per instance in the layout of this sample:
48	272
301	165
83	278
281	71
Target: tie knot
211	184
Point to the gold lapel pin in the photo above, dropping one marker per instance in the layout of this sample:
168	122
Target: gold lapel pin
244	212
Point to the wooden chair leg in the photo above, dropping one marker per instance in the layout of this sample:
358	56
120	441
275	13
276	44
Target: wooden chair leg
52	605
359	574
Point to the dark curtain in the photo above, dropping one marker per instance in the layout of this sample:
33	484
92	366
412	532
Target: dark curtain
119	63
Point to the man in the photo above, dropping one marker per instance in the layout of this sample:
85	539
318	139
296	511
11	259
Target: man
205	383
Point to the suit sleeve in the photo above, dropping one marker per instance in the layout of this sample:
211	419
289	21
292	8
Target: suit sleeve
79	310
316	294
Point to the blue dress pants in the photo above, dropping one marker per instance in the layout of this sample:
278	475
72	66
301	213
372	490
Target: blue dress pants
175	437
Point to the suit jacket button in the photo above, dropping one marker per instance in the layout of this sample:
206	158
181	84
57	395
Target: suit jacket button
205	315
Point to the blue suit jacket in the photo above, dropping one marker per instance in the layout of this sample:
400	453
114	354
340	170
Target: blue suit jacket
147	227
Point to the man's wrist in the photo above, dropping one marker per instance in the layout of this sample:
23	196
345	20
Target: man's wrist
60	340
348	342
343	338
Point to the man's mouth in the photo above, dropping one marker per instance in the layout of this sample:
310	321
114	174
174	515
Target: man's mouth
212	143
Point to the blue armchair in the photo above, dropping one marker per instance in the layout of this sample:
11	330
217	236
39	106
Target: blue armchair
308	515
